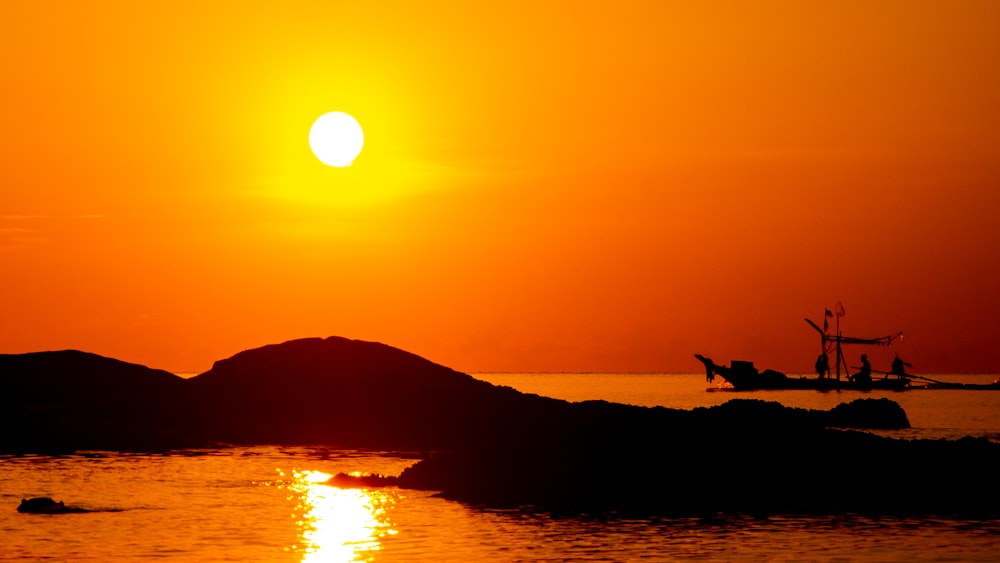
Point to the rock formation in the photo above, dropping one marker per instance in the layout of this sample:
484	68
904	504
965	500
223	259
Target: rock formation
493	445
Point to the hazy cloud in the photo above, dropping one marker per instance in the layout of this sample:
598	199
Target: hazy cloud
14	237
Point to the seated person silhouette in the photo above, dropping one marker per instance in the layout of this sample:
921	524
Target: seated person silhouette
865	375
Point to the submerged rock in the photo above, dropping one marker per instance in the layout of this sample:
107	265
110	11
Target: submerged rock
45	505
353	481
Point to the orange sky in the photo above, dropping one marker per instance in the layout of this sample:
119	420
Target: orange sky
612	187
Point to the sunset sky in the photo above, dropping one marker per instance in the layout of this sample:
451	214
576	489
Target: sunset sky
603	186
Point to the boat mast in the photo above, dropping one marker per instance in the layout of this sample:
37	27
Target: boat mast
840	339
839	312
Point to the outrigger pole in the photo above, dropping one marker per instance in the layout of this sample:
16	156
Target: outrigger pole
840	339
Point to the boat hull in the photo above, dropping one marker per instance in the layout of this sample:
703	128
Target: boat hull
815	384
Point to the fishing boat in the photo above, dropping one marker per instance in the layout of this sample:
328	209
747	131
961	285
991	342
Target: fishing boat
743	376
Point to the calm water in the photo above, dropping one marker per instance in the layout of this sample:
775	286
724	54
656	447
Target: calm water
272	504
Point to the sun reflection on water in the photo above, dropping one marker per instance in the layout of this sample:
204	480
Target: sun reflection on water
338	524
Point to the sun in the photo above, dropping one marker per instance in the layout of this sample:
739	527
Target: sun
336	139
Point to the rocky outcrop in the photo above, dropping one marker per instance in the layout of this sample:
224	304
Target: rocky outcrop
350	393
867	413
53	402
744	456
833	472
332	391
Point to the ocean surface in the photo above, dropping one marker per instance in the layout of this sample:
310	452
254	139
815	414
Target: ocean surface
273	503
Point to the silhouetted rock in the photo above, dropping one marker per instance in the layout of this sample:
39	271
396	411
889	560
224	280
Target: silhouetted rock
755	415
350	393
746	456
45	505
493	445
821	471
333	391
868	413
71	400
351	481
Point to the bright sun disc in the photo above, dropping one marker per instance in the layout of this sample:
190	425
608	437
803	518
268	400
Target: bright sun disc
336	139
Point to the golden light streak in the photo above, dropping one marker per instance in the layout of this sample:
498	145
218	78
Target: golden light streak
338	524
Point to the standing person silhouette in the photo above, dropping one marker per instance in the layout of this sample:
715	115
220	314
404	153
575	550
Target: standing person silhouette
898	367
823	365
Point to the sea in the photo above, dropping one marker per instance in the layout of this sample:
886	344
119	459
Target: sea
273	503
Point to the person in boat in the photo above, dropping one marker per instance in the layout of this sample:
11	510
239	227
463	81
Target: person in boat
865	375
823	365
898	367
